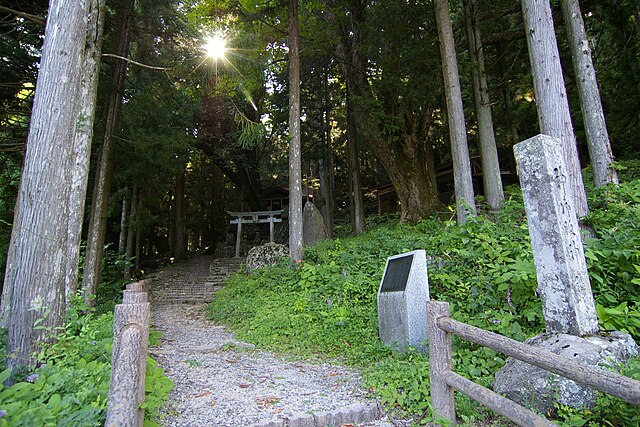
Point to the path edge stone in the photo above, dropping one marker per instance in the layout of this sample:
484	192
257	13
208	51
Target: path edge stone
356	413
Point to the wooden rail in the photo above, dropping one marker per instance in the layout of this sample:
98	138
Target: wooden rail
129	359
444	380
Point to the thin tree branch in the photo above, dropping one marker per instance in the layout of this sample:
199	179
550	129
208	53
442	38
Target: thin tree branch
33	18
131	61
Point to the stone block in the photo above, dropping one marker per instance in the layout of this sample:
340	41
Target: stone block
302	420
276	423
322	418
365	412
537	388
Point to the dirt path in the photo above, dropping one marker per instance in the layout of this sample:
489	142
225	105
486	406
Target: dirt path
221	381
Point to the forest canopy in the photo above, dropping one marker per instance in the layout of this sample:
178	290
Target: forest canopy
398	102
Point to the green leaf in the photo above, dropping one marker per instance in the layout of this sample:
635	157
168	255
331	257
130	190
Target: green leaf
4	375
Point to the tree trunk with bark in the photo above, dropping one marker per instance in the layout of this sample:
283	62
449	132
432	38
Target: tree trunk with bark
138	259
178	201
405	161
102	183
325	164
353	161
36	262
122	237
487	141
455	112
592	113
295	152
131	227
82	142
551	96
514	135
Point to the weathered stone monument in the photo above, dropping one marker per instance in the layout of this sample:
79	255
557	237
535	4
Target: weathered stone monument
563	279
313	229
402	301
563	283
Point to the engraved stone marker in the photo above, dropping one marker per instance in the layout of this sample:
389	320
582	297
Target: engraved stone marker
402	300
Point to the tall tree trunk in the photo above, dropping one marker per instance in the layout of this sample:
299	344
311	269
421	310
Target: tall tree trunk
131	227
551	95
218	220
178	200
330	168
487	141
7	290
295	151
592	113
324	193
357	205
405	161
325	163
37	258
138	261
455	112
122	237
331	187
172	225
513	135
102	183
82	142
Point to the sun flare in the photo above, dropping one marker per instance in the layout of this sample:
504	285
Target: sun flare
215	47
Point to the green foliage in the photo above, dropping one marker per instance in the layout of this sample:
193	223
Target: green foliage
613	256
9	180
401	382
111	282
321	311
157	388
608	411
71	385
252	134
484	268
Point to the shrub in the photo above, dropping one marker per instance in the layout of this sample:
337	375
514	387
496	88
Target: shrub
71	385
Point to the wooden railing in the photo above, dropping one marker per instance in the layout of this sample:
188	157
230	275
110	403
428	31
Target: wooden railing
444	380
129	360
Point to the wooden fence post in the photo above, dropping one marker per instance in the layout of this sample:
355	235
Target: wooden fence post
442	398
128	363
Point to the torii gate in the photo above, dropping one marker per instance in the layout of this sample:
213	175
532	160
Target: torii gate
259	217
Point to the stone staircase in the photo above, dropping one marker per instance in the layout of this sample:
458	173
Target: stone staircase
192	281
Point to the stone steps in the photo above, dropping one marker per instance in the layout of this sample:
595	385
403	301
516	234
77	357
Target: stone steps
193	281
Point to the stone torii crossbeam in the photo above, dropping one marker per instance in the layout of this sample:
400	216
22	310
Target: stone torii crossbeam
257	217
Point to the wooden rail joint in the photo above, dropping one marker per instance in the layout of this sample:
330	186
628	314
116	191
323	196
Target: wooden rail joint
443	380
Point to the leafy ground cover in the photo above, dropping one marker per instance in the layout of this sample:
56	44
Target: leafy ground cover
70	387
325	306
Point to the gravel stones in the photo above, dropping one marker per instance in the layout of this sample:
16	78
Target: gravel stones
221	381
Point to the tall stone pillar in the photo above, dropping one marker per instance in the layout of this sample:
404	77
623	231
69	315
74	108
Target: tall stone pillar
563	280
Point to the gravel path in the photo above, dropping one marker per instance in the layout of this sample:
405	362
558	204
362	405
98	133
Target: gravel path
220	381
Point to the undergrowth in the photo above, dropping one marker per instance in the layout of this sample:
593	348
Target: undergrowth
325	306
70	387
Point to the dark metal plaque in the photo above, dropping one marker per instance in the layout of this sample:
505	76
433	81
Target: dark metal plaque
396	274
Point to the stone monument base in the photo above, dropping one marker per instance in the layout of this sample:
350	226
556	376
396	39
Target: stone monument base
538	389
265	255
